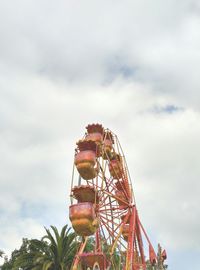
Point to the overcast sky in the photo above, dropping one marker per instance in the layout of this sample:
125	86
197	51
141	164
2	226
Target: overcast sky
132	66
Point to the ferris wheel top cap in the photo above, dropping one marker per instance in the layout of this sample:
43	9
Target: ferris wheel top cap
93	128
84	145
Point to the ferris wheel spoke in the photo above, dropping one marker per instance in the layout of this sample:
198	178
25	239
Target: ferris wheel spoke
116	215
108	181
116	226
109	220
108	228
103	196
108	214
115	235
104	236
110	209
104	191
95	185
107	203
110	195
109	187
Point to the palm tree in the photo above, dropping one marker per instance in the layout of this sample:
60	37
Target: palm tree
52	252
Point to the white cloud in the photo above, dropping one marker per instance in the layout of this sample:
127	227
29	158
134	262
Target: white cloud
133	67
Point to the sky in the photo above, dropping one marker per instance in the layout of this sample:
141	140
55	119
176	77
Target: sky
132	66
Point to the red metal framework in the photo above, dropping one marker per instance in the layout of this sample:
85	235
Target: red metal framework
105	212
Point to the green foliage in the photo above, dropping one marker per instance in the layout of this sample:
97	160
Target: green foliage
9	264
55	251
90	245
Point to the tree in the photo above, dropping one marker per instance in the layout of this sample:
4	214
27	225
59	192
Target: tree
55	251
52	252
9	263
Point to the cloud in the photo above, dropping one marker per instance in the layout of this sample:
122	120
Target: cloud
133	67
167	181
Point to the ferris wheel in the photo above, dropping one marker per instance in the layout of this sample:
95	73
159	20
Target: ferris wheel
103	209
